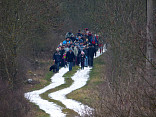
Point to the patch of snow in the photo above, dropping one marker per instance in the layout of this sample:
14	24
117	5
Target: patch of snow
80	79
49	107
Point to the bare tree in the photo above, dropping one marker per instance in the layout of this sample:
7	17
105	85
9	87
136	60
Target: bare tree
149	52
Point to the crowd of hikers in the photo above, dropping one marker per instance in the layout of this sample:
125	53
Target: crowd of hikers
77	50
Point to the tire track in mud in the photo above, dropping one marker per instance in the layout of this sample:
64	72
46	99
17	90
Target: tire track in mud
49	107
68	83
80	79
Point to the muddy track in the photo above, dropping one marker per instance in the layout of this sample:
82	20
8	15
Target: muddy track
80	79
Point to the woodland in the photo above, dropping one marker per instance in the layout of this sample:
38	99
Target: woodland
30	31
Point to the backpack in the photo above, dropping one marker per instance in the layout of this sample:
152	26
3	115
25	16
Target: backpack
93	41
97	37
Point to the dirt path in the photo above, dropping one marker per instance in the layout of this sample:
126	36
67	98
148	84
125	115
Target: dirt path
80	79
49	107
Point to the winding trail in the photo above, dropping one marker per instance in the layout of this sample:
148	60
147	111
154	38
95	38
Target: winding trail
49	107
80	79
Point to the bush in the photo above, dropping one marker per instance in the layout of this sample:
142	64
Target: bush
13	103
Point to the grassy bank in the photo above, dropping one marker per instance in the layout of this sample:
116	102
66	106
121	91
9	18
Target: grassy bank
42	79
85	94
68	82
35	111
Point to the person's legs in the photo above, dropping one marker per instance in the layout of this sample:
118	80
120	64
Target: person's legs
82	65
57	67
77	60
62	63
95	53
65	63
100	50
54	69
70	66
89	61
86	62
95	50
74	63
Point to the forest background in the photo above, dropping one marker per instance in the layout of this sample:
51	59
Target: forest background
30	31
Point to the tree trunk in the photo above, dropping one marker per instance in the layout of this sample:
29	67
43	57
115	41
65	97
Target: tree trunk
149	52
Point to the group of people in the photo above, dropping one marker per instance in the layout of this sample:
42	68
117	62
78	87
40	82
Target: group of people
77	50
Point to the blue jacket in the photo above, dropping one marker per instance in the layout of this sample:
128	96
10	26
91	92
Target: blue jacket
65	42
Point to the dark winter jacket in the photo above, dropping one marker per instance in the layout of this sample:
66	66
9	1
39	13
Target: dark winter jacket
62	52
79	52
82	47
91	51
70	56
86	51
90	38
79	34
80	41
82	58
73	39
57	57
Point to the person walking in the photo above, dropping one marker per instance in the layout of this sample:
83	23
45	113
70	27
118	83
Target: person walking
86	54
57	59
82	57
62	51
78	56
91	51
70	58
76	53
64	59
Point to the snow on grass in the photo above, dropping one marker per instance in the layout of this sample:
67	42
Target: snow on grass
49	107
80	79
